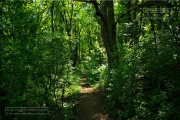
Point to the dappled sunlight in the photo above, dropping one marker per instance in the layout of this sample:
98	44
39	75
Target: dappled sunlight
90	59
90	105
87	90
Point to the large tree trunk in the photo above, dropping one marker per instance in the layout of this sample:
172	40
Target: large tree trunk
105	10
108	31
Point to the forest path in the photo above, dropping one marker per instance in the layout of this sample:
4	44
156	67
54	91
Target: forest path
90	104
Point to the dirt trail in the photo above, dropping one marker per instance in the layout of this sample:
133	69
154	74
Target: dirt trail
90	105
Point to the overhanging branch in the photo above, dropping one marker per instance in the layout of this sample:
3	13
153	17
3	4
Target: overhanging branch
146	4
96	6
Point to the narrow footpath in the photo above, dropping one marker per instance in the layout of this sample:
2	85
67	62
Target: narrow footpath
90	104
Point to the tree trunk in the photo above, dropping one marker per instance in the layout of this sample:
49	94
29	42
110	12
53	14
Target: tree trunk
108	31
105	10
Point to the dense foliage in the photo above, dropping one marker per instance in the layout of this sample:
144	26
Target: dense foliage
123	47
145	82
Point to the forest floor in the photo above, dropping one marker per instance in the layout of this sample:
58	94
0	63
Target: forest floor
90	105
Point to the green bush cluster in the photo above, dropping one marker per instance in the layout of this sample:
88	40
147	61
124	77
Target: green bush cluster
146	85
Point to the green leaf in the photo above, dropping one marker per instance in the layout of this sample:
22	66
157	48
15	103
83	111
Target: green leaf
12	101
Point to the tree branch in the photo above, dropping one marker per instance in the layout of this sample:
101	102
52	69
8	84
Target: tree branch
146	4
96	6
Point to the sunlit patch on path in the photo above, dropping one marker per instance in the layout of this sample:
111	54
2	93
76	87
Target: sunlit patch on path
90	105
